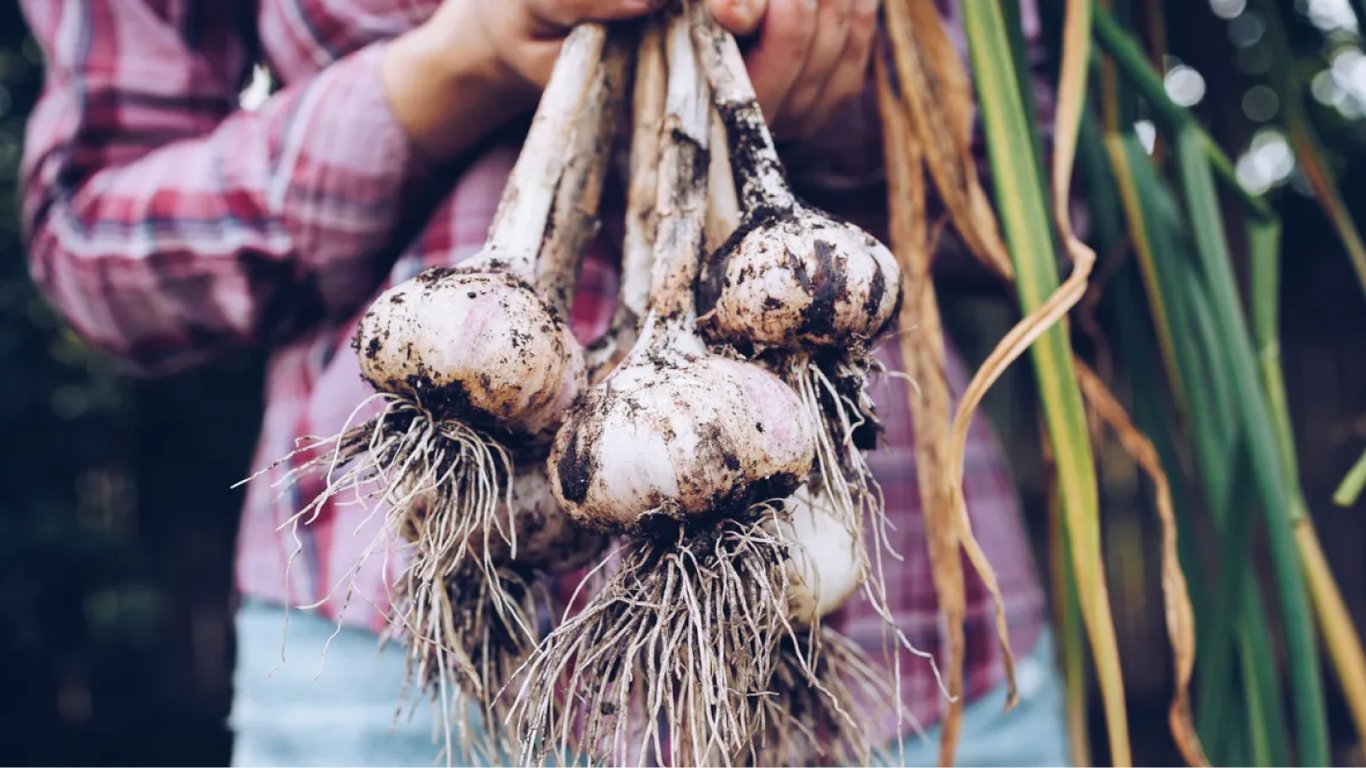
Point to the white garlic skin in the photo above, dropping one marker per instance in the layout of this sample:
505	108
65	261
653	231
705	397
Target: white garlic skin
686	437
824	565
546	538
797	279
479	346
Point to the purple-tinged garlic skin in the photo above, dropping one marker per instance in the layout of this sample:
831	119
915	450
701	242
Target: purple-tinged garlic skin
795	279
478	346
683	435
824	563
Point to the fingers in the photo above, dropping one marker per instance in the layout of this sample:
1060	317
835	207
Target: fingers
777	59
833	20
566	13
848	77
741	17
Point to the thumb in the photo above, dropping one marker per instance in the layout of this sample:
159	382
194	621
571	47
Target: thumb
741	17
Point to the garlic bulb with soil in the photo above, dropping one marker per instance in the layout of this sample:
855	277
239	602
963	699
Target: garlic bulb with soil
806	295
790	277
683	450
475	367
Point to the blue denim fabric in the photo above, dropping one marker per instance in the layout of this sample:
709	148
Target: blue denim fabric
341	709
344	709
1034	733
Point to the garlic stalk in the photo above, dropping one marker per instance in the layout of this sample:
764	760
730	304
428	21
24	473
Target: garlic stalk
575	219
637	252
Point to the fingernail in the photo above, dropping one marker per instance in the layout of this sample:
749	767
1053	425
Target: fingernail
865	7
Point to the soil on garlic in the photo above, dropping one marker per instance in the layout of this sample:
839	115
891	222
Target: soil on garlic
821	274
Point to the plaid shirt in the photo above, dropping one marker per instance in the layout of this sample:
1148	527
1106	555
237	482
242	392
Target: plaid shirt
170	226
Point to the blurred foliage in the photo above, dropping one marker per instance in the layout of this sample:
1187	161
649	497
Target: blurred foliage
116	522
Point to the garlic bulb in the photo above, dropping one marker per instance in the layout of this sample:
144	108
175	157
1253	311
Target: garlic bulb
791	276
679	432
484	342
798	279
480	345
826	565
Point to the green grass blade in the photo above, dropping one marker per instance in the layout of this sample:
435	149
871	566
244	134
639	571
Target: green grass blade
1340	635
1019	51
1350	490
1071	640
1020	198
1227	615
1190	350
1202	203
1265	715
1133	64
1138	193
1176	310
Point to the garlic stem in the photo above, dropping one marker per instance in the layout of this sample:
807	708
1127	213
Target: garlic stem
637	252
723	207
760	172
681	203
520	224
638	247
574	220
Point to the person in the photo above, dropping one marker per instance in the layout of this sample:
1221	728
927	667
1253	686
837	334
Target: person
171	226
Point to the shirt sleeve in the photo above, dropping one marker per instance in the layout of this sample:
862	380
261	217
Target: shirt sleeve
167	224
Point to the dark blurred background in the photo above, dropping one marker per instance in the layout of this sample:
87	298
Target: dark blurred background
117	521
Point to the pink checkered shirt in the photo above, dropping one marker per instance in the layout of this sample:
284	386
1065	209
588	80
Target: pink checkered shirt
170	226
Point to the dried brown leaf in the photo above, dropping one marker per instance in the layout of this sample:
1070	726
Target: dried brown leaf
1175	594
920	335
933	83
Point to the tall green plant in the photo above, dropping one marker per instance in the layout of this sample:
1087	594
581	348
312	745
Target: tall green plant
1028	227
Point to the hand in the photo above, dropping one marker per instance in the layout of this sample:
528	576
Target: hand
809	59
476	64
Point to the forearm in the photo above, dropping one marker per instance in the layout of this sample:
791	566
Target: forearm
448	91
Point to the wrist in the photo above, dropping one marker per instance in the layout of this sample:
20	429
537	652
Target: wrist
448	94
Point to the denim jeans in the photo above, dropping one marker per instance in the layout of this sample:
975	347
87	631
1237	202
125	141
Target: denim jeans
1034	733
344	709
